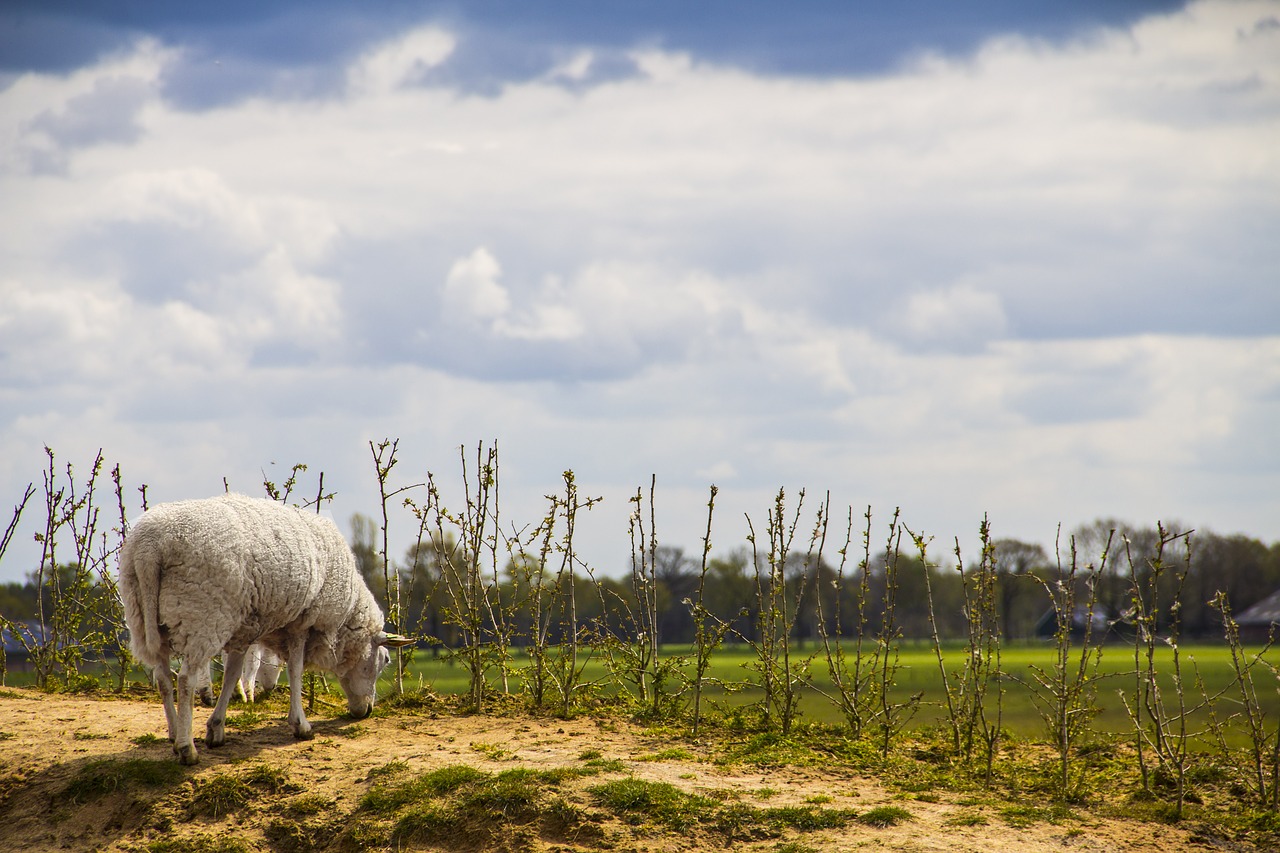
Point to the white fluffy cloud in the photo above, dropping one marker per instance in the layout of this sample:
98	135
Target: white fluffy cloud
472	289
401	62
1037	281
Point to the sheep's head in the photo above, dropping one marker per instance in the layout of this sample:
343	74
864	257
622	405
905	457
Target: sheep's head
359	682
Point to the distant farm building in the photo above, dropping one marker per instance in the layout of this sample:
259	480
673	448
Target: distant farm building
1098	622
1259	622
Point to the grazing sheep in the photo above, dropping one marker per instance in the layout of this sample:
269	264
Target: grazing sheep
218	575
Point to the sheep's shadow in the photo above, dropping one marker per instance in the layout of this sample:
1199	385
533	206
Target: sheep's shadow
131	789
268	730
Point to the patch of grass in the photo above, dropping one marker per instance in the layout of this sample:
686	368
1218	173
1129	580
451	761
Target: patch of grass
89	736
107	776
272	779
794	847
885	816
149	739
7	735
491	751
1021	816
199	844
674	754
308	805
771	749
599	764
805	818
364	833
391	768
246	719
218	795
462	802
388	798
295	831
967	819
639	801
290	836
513	794
353	731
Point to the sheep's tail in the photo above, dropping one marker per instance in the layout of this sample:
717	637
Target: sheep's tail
140	567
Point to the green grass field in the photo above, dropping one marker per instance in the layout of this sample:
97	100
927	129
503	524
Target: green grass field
919	673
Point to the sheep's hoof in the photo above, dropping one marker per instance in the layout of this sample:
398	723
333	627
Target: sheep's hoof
215	737
188	755
304	734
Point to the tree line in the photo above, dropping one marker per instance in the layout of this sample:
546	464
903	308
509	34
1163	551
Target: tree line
1245	569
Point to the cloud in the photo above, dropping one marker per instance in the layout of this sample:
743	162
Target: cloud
108	114
405	61
960	317
472	290
1036	279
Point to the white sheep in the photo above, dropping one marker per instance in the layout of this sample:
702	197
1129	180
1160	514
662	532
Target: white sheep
200	577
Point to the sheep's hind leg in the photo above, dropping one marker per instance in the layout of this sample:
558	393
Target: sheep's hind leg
164	684
184	744
204	686
215	730
297	719
249	674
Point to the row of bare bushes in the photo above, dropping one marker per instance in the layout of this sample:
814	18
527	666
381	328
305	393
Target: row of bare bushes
520	609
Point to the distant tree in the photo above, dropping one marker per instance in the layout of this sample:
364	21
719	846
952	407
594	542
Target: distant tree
1091	543
1021	601
364	537
911	594
420	585
677	580
729	594
18	601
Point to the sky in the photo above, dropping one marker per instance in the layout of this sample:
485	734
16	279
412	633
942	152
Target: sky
991	259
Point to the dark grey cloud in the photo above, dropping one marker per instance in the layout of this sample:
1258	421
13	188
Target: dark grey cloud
288	49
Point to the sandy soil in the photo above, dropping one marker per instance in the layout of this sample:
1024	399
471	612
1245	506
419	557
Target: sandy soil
48	741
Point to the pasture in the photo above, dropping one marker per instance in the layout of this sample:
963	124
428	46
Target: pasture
733	683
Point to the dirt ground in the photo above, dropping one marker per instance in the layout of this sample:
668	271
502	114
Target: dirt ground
48	741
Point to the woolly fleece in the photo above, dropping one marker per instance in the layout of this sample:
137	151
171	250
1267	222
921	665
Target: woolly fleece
201	576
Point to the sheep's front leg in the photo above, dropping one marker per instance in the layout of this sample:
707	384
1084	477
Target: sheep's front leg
183	743
297	719
164	684
215	729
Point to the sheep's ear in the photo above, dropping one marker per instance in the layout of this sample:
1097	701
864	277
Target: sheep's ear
396	641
